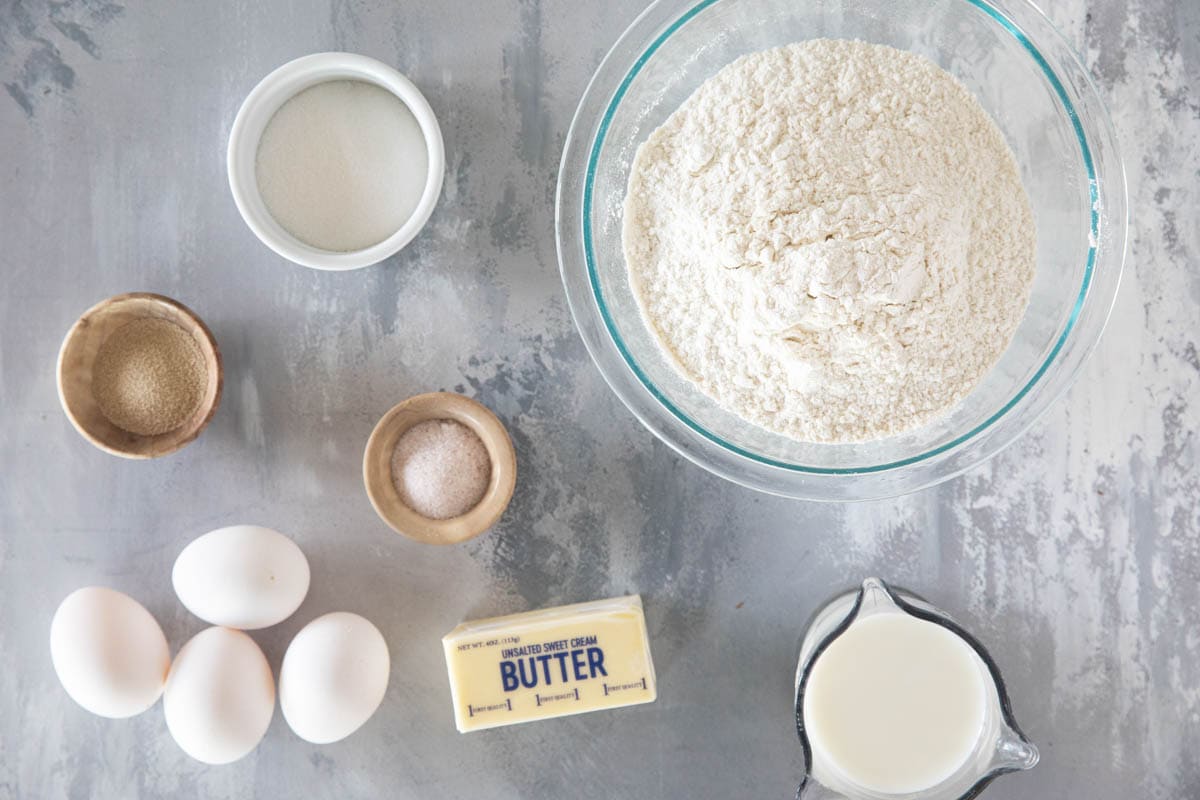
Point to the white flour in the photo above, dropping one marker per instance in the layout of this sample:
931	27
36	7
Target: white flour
831	239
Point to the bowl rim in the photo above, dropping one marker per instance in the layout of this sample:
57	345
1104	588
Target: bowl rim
284	83
581	308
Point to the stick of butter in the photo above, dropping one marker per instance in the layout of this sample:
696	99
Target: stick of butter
550	663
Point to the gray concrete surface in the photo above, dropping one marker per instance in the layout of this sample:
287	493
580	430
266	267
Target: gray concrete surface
1075	555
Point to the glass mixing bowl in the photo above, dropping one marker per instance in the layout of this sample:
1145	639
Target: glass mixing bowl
1027	77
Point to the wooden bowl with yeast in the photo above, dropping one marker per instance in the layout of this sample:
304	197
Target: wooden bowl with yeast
377	468
178	395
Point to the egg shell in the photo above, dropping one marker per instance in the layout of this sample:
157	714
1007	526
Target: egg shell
109	652
333	678
220	696
243	576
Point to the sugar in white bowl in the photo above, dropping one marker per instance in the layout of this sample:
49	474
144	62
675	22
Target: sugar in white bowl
342	165
335	161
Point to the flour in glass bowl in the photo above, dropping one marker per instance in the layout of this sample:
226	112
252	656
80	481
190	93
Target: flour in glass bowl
831	240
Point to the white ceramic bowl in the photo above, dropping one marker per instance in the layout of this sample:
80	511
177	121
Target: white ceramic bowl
262	103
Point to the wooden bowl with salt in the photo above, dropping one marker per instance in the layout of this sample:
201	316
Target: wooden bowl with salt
170	405
386	497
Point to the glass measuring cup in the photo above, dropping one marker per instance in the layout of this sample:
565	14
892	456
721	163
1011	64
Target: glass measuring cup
999	748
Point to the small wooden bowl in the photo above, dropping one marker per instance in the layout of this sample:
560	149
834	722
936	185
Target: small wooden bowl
377	468
78	353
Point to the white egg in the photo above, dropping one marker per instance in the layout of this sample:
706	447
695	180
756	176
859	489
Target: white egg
334	675
220	696
243	577
109	652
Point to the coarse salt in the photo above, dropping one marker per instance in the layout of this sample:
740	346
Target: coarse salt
441	469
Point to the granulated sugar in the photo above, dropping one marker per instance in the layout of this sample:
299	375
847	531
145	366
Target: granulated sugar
441	468
831	239
342	165
149	376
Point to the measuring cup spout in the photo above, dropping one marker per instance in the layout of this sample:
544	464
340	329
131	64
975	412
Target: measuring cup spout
1014	752
876	595
813	790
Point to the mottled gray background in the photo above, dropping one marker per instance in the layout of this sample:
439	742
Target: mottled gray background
1075	555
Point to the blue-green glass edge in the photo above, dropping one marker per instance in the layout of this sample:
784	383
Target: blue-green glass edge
593	279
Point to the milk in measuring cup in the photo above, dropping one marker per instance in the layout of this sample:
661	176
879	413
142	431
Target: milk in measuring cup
896	704
895	700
